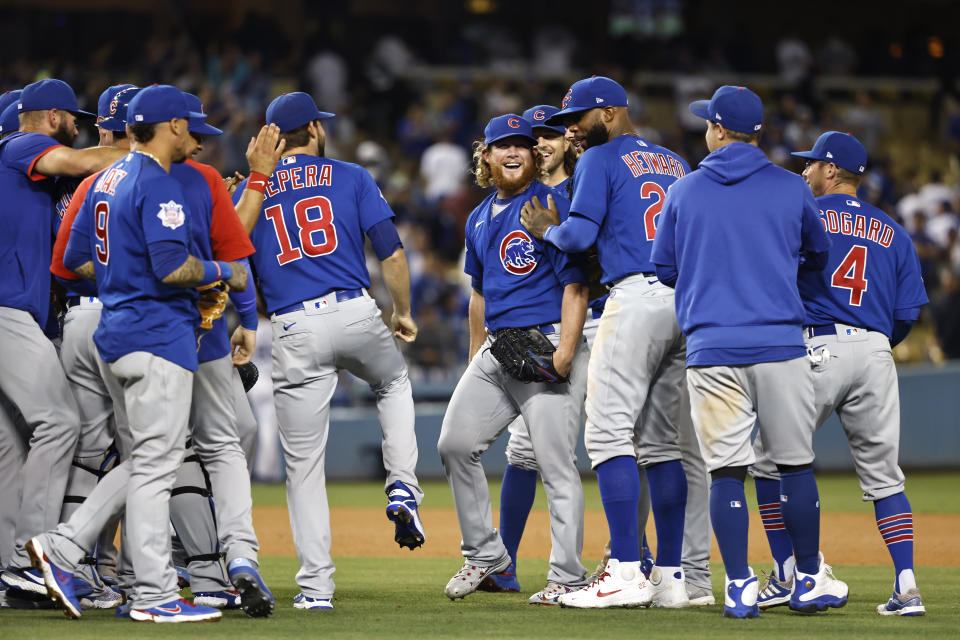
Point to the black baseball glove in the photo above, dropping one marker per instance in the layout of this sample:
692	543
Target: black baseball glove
526	354
249	374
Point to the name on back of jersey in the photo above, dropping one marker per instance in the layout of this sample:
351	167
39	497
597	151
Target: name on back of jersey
641	162
304	177
857	225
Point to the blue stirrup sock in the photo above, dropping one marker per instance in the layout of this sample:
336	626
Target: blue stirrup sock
619	483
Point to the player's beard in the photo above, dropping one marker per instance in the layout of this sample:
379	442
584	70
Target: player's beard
65	134
596	136
510	185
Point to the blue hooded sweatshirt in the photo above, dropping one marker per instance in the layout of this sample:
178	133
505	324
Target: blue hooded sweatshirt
731	235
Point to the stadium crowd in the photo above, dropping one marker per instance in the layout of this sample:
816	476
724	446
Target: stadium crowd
410	122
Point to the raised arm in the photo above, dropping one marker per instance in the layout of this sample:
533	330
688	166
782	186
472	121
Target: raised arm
64	161
263	154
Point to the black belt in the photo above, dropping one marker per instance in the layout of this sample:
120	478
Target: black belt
649	274
546	329
342	296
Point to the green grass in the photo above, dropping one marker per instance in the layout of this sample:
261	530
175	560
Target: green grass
403	598
928	493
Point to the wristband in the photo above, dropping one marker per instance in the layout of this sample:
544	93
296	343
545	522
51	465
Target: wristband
258	182
214	271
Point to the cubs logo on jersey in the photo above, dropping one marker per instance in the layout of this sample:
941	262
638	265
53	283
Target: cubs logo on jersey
518	253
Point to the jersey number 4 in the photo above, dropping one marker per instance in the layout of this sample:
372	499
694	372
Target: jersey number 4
646	190
850	274
101	214
313	215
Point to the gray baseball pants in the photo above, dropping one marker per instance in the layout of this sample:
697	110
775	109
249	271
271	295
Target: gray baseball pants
310	347
484	402
855	376
32	380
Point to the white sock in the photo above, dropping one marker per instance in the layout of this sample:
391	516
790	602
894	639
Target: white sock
907	580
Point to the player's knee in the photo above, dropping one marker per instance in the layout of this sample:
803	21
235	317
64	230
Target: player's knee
451	447
794	468
398	385
737	473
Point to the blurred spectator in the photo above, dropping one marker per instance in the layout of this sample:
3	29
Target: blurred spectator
443	168
945	308
865	122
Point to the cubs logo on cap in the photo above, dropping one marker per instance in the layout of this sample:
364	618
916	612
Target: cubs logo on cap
590	93
842	149
518	253
537	117
506	126
117	120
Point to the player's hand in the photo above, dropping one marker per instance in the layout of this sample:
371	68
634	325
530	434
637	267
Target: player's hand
233	181
536	218
562	362
264	151
403	327
238	281
242	343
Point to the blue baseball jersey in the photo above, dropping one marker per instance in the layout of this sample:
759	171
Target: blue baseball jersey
563	188
132	204
734	230
873	272
26	225
522	278
215	234
309	239
621	186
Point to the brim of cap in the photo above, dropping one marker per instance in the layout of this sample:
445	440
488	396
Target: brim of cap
701	109
82	114
560	130
510	135
203	129
326	114
112	123
557	118
807	154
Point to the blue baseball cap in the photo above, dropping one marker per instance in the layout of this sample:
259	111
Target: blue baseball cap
590	93
537	117
104	109
736	108
9	97
9	119
199	126
118	108
291	110
506	126
50	93
159	103
842	149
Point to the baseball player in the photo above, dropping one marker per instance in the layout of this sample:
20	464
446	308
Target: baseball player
863	302
313	278
517	282
729	240
132	235
28	159
518	490
633	374
95	453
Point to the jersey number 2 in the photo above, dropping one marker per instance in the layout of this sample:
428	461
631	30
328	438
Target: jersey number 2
101	214
850	274
306	226
646	190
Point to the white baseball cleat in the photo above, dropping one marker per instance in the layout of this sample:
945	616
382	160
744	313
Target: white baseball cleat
669	588
620	585
466	581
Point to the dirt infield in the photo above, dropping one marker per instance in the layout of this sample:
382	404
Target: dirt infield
846	538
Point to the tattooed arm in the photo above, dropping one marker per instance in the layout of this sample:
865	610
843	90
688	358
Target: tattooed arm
86	271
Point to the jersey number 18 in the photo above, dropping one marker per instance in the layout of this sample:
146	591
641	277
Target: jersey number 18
321	223
850	274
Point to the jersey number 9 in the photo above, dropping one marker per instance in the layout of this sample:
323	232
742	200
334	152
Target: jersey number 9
314	219
101	214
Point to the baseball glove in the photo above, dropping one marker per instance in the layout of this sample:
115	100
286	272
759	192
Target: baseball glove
249	374
212	302
526	354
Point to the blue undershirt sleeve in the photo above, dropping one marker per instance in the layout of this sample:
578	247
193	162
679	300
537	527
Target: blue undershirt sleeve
384	238
575	235
166	256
